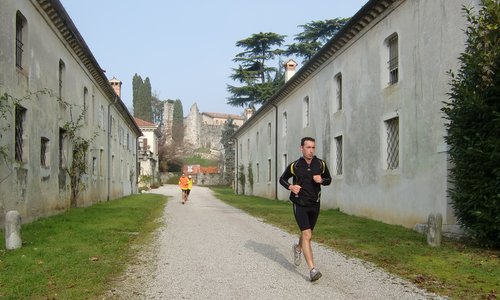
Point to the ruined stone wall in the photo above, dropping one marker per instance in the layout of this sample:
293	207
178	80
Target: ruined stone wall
168	115
197	134
210	136
192	128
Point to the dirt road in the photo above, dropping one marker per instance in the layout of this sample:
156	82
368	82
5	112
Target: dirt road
209	250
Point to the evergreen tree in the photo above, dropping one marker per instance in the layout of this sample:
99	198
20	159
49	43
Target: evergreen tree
157	106
253	71
178	123
136	85
473	113
143	109
314	36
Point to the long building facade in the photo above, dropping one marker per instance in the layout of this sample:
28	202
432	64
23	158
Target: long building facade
372	98
55	101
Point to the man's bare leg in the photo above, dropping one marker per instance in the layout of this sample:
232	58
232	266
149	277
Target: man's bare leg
305	244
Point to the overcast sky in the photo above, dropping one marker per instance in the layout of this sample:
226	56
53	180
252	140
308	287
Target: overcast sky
186	47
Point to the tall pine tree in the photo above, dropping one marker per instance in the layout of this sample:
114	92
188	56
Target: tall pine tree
143	102
178	123
136	85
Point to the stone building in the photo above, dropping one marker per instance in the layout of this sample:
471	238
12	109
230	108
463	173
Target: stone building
201	129
54	93
372	98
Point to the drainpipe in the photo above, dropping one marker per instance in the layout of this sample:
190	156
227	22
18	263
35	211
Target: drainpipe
275	152
236	167
109	149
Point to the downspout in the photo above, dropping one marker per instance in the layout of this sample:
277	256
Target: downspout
109	149
275	152
236	167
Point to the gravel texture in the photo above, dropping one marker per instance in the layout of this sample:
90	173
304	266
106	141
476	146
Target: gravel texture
209	250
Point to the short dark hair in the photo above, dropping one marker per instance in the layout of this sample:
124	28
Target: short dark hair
307	138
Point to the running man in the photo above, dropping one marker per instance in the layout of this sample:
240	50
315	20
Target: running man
308	173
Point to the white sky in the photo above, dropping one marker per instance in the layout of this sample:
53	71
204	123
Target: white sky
186	47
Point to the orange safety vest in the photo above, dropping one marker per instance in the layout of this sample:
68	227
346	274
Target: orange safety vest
183	183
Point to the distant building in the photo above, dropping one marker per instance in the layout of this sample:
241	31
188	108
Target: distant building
211	118
148	152
56	81
201	129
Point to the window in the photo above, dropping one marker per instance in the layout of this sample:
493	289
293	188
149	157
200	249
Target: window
285	160
285	124
269	132
338	94
85	105
61	82
19	131
248	145
111	125
62	155
44	152
101	117
339	155
257	140
269	169
94	165
101	162
305	109
392	130
121	169
112	166
393	62
92	120
20	32
258	172
120	135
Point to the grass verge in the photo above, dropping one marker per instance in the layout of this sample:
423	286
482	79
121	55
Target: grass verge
74	255
455	269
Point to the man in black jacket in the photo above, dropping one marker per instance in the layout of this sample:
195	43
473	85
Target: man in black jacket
308	173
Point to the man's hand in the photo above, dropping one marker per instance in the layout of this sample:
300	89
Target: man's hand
317	179
295	188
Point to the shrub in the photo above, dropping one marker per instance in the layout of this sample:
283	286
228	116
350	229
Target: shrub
473	113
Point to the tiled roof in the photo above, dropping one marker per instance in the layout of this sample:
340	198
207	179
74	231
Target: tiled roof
223	116
142	123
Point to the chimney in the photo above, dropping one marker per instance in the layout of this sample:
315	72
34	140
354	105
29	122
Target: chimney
289	69
117	85
248	113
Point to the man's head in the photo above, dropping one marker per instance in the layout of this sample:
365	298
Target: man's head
189	176
308	147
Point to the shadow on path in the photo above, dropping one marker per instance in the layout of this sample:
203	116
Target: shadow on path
271	253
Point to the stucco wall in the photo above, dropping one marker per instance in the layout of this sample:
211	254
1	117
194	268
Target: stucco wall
430	38
26	186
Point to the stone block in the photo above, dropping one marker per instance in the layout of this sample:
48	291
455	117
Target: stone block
12	230
434	230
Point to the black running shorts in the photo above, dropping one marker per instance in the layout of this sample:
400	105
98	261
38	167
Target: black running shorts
306	216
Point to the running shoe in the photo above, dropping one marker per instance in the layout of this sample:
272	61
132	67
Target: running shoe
296	254
315	274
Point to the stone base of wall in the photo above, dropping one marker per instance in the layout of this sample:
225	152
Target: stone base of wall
451	231
207	179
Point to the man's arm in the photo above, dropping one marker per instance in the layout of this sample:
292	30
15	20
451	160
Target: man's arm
285	177
327	178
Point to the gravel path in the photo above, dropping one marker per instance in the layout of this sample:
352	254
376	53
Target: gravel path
209	250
